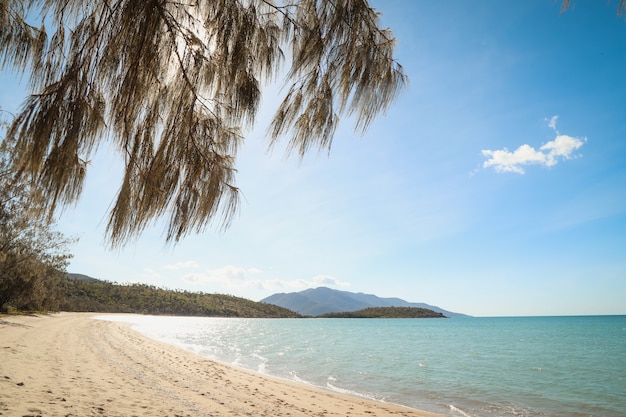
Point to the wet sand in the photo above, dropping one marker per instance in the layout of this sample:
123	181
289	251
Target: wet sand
71	365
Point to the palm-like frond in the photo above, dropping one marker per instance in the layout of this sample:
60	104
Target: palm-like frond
172	85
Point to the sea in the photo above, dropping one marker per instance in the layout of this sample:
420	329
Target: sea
458	367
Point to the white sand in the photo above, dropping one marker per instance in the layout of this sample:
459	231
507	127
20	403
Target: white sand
71	365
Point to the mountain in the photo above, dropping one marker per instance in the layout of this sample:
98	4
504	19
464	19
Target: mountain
81	277
322	300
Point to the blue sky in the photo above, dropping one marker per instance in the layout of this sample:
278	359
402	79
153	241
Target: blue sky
495	185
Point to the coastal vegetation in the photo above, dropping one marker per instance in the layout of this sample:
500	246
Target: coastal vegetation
107	297
33	255
87	294
80	293
387	313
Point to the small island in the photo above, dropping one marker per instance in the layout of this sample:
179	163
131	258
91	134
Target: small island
386	313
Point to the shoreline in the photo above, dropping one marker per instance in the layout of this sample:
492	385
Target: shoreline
71	364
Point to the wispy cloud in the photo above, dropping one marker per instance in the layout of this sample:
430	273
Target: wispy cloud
150	274
238	278
329	280
181	265
231	276
552	122
549	154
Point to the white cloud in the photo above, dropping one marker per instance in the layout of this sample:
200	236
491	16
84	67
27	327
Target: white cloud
505	161
284	285
300	284
228	275
181	265
552	122
329	280
237	278
195	278
549	154
563	146
150	274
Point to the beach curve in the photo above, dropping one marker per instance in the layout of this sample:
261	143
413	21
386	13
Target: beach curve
70	365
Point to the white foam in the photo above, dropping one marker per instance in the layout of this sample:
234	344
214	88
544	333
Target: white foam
352	393
458	410
296	378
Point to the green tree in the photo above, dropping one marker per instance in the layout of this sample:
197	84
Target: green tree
173	84
33	256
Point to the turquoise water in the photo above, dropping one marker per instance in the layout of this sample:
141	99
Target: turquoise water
469	367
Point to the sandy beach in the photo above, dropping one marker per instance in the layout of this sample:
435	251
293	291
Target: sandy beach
72	365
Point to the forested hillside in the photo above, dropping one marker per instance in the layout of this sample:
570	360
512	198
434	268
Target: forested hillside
107	297
387	313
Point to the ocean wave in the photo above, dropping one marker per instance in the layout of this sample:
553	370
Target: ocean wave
454	367
459	411
295	377
352	393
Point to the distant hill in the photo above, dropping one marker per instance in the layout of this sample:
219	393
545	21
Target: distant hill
322	300
81	277
83	293
387	313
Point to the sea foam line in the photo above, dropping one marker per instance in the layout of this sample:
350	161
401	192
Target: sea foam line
458	410
352	393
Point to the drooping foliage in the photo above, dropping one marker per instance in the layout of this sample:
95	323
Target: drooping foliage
174	84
